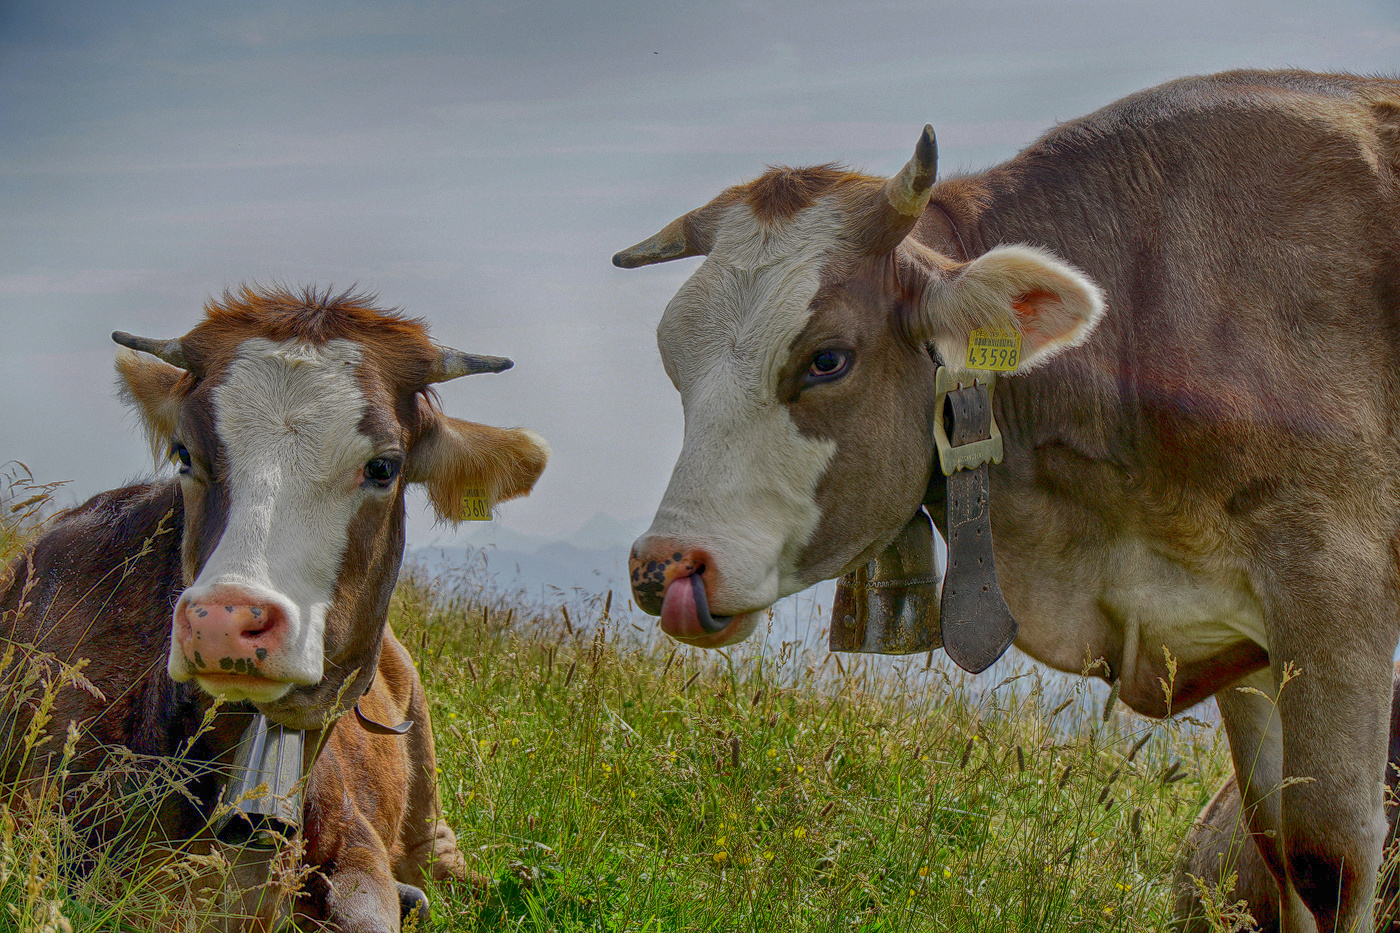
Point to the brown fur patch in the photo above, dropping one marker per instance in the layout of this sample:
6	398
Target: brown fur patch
398	345
781	192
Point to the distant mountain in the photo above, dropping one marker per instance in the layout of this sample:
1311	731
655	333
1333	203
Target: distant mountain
591	559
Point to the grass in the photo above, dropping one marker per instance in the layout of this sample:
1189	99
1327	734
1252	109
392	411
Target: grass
607	780
611	782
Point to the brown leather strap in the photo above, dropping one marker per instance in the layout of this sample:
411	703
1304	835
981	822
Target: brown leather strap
977	624
378	728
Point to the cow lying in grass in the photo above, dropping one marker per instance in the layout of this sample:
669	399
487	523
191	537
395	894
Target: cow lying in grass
296	421
1220	845
372	808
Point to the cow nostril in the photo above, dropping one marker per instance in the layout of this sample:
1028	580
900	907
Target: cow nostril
259	631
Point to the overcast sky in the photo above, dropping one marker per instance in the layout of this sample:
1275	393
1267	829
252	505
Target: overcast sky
479	163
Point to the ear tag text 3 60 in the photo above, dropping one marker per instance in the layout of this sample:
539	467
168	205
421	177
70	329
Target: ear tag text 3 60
475	506
994	349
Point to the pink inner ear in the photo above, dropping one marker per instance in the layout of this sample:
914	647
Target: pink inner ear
1029	306
1043	317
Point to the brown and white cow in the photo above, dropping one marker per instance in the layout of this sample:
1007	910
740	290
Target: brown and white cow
263	573
1201	452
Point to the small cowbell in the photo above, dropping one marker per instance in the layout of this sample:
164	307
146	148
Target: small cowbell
890	606
272	755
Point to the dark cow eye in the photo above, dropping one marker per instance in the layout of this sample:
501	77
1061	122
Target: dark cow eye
828	365
181	453
382	471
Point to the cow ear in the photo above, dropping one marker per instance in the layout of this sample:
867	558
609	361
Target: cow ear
152	388
467	466
1051	303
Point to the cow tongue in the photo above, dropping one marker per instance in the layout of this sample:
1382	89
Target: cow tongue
685	611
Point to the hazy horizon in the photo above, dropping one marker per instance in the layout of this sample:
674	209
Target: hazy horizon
478	165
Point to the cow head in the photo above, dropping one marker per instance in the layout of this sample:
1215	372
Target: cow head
801	350
296	421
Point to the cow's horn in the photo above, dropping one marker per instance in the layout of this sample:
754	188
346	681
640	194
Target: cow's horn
691	235
167	350
902	199
908	191
453	363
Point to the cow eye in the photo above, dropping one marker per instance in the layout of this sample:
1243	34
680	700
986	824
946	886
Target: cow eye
382	471
181	453
828	365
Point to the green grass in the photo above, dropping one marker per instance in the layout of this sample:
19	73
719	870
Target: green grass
611	782
607	780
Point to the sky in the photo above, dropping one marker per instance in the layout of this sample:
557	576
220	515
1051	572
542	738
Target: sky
477	164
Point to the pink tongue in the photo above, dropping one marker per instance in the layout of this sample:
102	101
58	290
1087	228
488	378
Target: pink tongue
685	612
680	618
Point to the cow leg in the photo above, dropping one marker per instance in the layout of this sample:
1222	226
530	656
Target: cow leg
427	846
365	900
1256	748
1332	622
1335	726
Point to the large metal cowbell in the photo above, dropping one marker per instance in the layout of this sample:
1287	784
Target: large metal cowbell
892	605
270	755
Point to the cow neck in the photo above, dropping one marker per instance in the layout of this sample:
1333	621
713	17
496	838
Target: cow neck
892	604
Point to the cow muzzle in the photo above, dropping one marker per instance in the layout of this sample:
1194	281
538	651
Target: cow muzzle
685	616
236	644
673	587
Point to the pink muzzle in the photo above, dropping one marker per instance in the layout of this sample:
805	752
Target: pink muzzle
225	633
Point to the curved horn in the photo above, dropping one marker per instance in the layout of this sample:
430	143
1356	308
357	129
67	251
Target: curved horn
908	191
167	350
902	198
453	363
690	235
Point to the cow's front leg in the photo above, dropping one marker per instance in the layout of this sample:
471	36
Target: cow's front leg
368	900
1332	636
1256	748
1334	755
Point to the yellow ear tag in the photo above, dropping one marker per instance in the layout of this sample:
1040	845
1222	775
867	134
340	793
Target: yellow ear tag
475	507
994	349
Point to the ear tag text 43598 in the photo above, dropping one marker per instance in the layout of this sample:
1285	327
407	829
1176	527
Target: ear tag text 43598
994	349
475	507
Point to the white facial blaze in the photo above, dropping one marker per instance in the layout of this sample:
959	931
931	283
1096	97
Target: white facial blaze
288	416
744	486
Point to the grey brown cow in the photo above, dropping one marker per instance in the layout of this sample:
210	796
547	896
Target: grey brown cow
262	574
1200	432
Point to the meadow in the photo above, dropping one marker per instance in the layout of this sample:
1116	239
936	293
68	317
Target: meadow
604	779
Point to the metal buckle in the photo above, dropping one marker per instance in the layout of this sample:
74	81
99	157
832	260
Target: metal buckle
966	456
